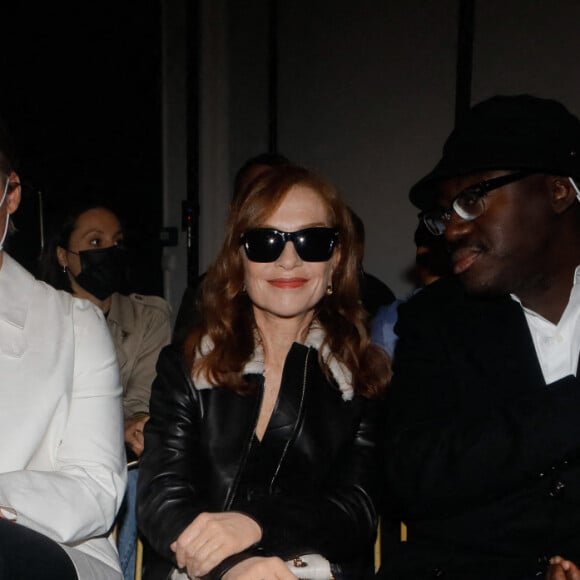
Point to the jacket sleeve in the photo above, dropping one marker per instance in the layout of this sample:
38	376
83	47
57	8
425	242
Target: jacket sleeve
156	328
168	498
79	497
339	521
468	425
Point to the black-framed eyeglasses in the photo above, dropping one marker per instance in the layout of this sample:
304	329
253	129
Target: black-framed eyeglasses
267	244
469	204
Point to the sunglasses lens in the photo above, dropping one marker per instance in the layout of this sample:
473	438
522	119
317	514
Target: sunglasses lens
315	244
263	245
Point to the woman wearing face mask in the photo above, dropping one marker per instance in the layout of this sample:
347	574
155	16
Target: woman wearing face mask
260	457
86	257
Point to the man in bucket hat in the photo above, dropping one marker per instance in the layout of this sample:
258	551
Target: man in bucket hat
483	429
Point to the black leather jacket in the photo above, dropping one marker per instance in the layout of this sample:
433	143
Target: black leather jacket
321	497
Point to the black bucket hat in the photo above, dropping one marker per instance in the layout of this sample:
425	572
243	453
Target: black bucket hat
506	132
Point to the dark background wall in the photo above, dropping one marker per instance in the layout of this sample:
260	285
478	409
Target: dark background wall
99	98
80	93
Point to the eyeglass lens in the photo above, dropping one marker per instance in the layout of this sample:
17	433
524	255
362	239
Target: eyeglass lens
469	204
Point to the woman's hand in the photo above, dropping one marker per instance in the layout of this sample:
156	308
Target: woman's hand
561	569
134	432
211	538
260	569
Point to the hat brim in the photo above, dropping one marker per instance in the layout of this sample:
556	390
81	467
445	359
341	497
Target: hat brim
425	192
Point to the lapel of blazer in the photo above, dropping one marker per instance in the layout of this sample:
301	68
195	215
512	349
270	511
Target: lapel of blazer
229	419
289	406
499	344
15	292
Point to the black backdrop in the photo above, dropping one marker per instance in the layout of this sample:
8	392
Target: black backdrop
80	94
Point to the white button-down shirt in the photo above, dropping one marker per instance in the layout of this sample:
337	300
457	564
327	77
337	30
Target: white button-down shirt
557	345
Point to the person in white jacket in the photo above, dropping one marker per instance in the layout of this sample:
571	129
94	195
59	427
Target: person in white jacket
62	460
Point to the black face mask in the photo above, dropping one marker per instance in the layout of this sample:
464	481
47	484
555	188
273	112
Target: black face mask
102	271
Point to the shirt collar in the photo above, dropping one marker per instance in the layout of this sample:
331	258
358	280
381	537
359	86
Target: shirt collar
575	279
123	317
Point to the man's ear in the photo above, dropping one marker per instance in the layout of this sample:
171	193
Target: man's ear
563	194
14	193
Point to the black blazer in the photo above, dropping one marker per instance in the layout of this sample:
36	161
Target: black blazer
482	458
321	498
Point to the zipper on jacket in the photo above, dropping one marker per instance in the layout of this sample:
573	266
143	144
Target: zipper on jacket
296	424
233	490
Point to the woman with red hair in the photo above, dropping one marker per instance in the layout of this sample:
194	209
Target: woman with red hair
260	455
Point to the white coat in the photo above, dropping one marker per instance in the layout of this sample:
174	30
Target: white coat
62	462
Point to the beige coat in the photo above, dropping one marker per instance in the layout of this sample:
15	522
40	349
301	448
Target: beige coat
140	326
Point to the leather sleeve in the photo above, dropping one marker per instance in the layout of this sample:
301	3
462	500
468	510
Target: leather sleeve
470	418
228	563
338	522
168	496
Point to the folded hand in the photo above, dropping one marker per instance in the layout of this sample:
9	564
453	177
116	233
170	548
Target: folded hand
211	538
134	432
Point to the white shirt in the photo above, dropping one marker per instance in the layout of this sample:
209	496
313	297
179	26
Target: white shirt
557	345
62	460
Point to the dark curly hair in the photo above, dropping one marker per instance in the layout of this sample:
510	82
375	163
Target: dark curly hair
60	225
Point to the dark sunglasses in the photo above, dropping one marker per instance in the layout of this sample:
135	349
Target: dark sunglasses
267	244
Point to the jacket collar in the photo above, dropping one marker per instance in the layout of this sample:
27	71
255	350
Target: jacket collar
15	283
314	339
123	317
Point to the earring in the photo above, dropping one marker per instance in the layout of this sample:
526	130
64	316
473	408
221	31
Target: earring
329	290
64	269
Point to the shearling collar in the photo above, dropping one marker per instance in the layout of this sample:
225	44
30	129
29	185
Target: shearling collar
314	339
